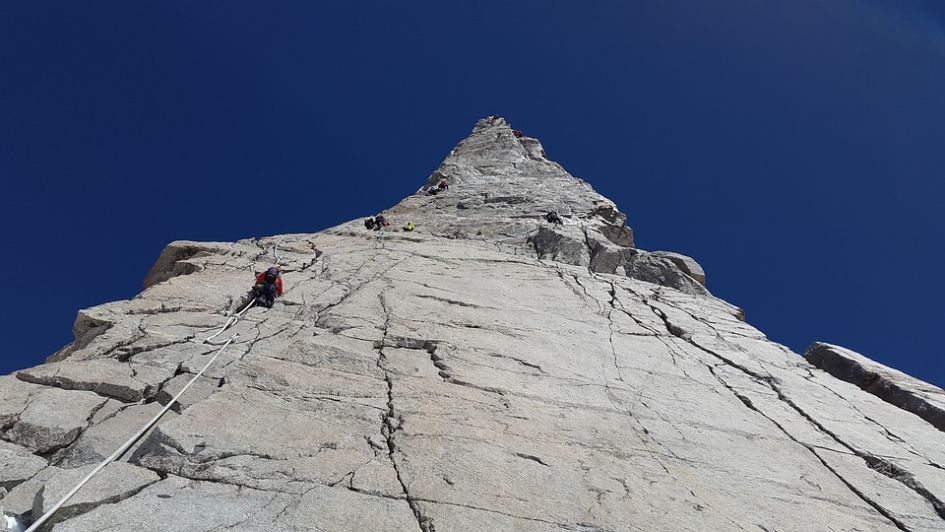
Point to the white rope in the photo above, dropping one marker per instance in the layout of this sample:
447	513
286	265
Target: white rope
231	321
131	441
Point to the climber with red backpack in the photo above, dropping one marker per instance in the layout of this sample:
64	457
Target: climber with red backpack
268	287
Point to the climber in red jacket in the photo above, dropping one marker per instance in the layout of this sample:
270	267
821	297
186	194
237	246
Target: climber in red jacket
268	287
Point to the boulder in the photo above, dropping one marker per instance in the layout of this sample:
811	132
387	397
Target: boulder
660	270
175	259
688	265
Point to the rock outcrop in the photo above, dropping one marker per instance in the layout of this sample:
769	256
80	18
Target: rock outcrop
894	387
489	371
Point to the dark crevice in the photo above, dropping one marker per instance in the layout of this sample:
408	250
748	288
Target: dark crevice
70	512
52	454
582	294
592	250
523	363
533	458
392	422
610	328
80	386
448	301
899	474
429	346
872	381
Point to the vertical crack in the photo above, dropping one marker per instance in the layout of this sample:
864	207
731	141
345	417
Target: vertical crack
610	325
392	423
592	250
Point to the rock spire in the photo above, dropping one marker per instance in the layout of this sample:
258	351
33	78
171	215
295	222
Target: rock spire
488	371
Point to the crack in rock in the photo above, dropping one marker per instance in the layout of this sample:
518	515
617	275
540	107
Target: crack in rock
392	423
873	462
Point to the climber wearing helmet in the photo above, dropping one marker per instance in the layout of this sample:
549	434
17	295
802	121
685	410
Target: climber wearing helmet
376	223
409	227
553	218
268	287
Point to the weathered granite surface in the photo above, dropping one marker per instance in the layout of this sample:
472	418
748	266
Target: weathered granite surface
487	372
117	481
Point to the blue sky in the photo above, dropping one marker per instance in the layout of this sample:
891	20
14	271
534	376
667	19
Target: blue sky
795	148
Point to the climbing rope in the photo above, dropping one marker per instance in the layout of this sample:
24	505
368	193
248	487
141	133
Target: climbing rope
231	321
137	436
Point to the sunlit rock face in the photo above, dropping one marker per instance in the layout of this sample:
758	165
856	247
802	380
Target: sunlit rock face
488	371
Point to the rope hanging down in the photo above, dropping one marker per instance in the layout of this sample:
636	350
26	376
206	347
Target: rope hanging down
137	436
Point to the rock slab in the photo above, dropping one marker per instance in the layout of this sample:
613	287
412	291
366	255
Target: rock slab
489	371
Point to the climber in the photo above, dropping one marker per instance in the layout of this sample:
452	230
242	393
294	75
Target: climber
518	134
380	222
442	185
369	224
268	287
409	227
553	217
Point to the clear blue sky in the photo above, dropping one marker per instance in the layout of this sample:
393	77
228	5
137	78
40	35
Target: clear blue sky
795	148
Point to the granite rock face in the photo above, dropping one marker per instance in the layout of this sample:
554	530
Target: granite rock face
489	371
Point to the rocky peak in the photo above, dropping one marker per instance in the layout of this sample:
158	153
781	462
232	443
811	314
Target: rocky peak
498	172
502	184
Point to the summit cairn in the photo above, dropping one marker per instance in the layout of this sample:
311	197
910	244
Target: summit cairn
469	364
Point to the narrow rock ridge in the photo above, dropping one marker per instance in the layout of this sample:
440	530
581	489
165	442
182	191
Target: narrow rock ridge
488	371
894	387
